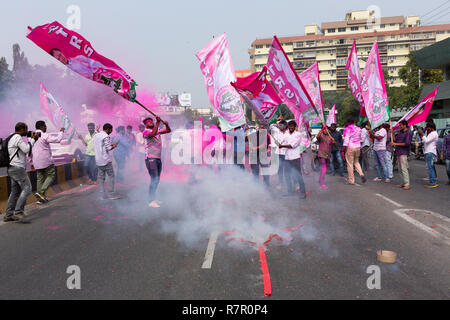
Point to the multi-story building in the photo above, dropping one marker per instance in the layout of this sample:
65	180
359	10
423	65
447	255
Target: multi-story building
331	43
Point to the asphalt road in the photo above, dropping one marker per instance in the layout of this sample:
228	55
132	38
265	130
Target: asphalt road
199	249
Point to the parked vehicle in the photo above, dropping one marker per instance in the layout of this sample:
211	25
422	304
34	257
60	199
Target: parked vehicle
66	151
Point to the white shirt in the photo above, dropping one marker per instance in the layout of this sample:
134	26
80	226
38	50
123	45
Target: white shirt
102	148
294	140
278	135
140	142
430	141
365	142
380	144
20	159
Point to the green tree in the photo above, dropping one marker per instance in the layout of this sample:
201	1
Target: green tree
5	77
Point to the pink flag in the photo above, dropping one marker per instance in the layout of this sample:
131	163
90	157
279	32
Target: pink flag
286	80
218	70
420	112
78	55
55	113
354	77
331	116
374	90
264	98
311	80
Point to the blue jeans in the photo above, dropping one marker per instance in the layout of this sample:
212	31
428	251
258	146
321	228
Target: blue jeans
120	160
336	155
389	164
380	163
20	190
154	167
429	158
91	167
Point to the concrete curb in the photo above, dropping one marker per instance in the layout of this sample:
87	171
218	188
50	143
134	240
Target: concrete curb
68	176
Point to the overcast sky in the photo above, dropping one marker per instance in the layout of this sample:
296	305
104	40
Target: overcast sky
156	41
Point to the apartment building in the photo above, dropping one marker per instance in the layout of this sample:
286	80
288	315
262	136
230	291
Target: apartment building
330	45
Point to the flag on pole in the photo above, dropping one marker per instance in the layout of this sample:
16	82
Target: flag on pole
55	113
263	97
420	112
290	87
311	81
354	78
217	68
76	53
374	90
331	116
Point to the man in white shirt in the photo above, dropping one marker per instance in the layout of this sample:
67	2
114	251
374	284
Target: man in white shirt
291	143
20	183
103	159
429	143
279	131
379	148
43	161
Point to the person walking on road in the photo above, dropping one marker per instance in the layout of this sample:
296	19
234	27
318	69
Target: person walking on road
379	147
429	144
89	155
103	159
352	149
335	155
293	163
43	161
324	153
402	145
20	182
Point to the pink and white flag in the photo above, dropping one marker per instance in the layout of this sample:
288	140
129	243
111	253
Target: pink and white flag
55	113
264	98
331	116
217	68
76	53
286	80
420	112
354	78
374	90
311	80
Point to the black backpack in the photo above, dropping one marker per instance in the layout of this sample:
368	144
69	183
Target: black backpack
4	153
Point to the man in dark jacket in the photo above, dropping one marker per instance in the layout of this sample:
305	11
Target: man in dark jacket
336	151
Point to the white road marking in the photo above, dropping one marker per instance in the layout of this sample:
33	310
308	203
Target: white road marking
389	200
210	250
402	213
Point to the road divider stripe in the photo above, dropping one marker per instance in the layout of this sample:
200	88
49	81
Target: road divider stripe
389	200
207	262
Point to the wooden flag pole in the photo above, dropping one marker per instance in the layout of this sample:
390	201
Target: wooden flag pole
146	108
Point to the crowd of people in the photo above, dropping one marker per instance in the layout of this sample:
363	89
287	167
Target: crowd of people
36	150
283	139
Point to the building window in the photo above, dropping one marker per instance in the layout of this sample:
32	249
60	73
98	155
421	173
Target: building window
382	26
259	46
310	43
331	30
341	62
354	28
341	29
